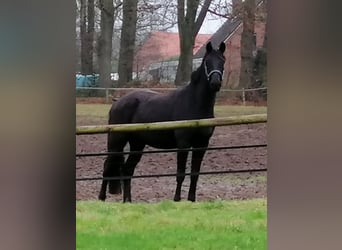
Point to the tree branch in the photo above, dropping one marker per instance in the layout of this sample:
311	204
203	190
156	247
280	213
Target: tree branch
117	6
201	16
219	14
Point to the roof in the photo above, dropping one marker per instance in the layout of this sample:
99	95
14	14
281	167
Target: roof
160	46
220	35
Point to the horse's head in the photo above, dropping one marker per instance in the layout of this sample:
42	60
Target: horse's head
213	62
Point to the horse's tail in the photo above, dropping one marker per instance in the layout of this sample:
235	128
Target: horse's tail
121	112
112	168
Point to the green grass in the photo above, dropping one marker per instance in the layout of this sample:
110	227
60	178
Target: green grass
93	113
169	225
232	110
98	113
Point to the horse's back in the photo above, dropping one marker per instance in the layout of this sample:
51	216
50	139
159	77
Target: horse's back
145	106
126	107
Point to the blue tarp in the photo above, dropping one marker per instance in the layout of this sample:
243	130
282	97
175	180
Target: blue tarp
87	80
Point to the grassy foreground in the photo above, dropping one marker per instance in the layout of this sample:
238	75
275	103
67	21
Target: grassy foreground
169	225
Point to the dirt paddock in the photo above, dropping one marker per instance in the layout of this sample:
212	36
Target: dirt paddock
210	187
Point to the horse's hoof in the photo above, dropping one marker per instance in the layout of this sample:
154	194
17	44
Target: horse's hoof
177	199
102	197
193	199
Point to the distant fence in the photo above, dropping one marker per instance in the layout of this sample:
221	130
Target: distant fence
108	92
234	120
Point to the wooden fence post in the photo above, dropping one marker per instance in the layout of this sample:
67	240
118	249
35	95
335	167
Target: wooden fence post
243	97
107	95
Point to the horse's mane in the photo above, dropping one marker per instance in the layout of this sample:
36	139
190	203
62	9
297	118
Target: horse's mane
195	75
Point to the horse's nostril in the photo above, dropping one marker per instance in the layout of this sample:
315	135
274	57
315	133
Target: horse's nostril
216	85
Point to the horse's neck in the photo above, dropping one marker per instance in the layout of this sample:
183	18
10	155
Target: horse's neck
204	97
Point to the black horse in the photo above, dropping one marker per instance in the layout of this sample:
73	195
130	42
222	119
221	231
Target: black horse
193	101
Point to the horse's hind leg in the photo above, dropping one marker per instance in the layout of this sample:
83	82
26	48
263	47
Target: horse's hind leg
128	169
113	164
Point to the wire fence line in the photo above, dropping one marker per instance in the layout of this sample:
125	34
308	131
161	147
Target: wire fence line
253	170
229	171
133	88
109	95
170	150
260	118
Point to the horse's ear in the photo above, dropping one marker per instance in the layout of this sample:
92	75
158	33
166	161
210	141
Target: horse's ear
209	47
222	47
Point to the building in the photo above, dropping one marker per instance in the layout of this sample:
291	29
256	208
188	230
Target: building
158	55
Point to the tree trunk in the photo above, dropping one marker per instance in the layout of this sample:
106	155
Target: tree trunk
184	67
188	27
247	45
127	42
83	36
87	36
236	7
88	67
260	66
105	42
264	44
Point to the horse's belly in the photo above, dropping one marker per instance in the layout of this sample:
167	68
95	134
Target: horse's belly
158	139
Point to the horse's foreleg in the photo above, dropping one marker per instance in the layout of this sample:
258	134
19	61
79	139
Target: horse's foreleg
181	164
197	157
128	170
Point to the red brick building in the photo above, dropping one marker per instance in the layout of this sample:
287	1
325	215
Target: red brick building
161	46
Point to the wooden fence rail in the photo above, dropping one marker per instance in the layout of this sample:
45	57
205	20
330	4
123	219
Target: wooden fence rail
224	121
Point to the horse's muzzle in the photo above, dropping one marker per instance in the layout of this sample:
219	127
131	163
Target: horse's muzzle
215	85
215	81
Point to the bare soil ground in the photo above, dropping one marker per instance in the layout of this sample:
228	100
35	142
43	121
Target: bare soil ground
210	187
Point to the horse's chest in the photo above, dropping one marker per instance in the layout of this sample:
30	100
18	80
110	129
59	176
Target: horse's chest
204	132
194	135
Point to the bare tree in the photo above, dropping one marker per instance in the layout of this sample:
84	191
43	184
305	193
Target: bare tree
188	27
90	37
83	35
260	62
248	44
155	15
78	39
105	41
115	36
225	9
127	42
87	35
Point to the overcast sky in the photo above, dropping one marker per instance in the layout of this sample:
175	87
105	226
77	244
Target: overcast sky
210	25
